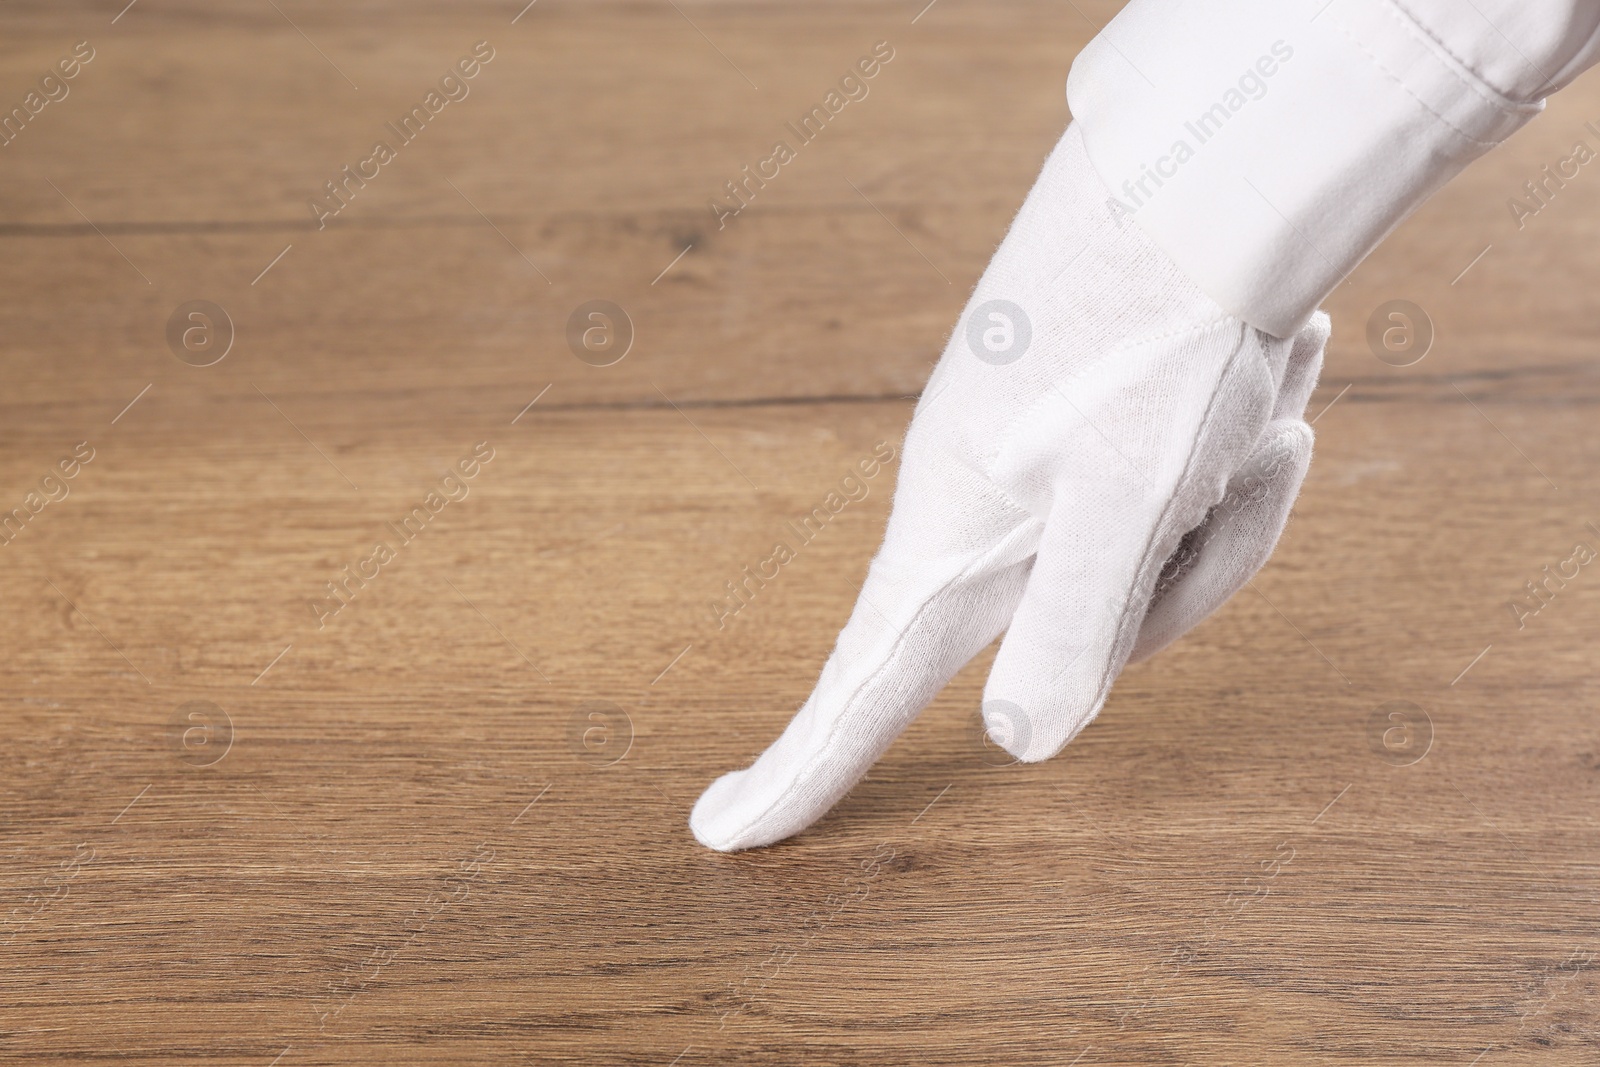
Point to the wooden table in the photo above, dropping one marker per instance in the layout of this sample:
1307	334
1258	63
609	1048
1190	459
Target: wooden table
441	816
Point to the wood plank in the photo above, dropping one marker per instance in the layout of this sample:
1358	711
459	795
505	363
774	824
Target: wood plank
376	756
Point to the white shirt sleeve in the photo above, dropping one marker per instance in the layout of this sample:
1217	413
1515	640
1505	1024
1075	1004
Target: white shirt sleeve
1268	145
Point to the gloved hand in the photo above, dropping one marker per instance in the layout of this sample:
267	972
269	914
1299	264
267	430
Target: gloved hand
1102	457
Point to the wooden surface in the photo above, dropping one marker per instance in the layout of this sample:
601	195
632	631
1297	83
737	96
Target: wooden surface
401	837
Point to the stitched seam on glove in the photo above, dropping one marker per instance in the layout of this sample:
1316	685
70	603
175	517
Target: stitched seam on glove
1122	348
822	752
1113	668
1222	318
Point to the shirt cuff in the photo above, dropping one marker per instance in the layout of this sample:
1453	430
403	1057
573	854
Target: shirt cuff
1268	145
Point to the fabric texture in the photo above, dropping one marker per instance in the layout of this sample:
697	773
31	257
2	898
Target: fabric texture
1102	456
1268	145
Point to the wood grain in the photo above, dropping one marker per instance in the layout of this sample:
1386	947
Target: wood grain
447	823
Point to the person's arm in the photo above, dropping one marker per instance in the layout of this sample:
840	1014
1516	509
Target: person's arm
1268	145
1111	443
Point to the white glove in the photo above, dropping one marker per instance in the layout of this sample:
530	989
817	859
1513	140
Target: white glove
1102	457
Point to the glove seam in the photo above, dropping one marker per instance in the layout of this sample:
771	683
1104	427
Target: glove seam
1198	327
1102	690
1059	384
894	651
